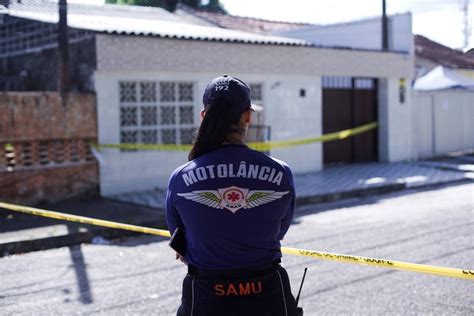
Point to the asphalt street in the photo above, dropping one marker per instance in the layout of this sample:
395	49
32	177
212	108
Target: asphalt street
139	276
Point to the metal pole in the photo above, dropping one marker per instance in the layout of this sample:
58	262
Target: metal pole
63	50
384	26
467	29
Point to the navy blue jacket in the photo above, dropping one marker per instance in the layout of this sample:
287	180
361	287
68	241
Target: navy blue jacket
235	204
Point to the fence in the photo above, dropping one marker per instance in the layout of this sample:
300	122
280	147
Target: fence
444	122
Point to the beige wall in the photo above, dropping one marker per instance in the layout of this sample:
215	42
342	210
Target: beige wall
152	54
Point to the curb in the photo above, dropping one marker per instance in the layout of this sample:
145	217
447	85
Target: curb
304	200
87	233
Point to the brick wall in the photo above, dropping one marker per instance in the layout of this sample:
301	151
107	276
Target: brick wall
44	146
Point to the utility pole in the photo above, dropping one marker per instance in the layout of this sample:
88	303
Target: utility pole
63	50
384	27
467	28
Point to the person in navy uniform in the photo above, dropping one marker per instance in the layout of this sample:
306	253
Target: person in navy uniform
234	205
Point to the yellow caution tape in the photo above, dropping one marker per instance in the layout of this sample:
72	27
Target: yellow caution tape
265	146
84	220
261	146
398	265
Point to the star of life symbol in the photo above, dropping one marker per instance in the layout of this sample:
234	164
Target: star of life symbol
233	198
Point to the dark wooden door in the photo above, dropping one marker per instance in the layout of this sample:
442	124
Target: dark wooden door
348	103
364	111
337	116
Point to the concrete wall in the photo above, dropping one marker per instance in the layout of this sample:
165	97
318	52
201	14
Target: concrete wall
396	134
363	34
294	117
284	71
44	147
443	122
289	116
136	53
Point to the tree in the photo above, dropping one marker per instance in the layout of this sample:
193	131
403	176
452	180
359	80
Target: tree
214	6
170	5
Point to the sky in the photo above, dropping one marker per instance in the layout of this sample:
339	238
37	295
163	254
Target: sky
439	20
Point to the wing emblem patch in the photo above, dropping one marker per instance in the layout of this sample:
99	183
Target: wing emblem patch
233	198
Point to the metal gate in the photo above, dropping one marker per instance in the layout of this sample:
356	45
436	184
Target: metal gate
348	103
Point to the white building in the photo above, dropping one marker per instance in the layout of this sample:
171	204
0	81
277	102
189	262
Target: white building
151	69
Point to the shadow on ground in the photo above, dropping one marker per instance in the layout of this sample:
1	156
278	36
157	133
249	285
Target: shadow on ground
365	200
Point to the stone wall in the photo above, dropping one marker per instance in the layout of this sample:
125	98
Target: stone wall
44	146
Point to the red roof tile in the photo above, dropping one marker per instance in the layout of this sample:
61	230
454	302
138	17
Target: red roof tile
440	54
243	23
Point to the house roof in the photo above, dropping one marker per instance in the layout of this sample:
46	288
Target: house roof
442	55
445	78
134	20
241	23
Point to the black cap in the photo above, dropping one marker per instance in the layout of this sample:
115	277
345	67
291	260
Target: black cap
227	90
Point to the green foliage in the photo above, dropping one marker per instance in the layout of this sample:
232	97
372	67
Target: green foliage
170	5
214	6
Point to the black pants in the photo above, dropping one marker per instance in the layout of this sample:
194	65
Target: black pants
264	292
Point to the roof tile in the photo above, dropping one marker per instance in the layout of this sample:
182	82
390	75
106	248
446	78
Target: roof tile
440	54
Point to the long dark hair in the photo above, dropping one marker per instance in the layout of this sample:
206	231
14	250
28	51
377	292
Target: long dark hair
220	121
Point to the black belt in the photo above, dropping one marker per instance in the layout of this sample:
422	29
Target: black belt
252	271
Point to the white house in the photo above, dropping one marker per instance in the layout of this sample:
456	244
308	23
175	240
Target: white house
151	70
443	98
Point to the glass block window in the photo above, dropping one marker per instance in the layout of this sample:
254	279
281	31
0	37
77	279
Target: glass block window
167	91
157	112
168	136
128	91
129	137
147	91
128	116
149	115
186	114
149	136
187	135
168	115
185	92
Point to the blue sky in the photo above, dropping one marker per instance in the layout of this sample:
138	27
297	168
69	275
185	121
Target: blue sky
440	20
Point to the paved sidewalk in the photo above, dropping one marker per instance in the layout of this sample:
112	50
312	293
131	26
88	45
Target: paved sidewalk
347	181
23	233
